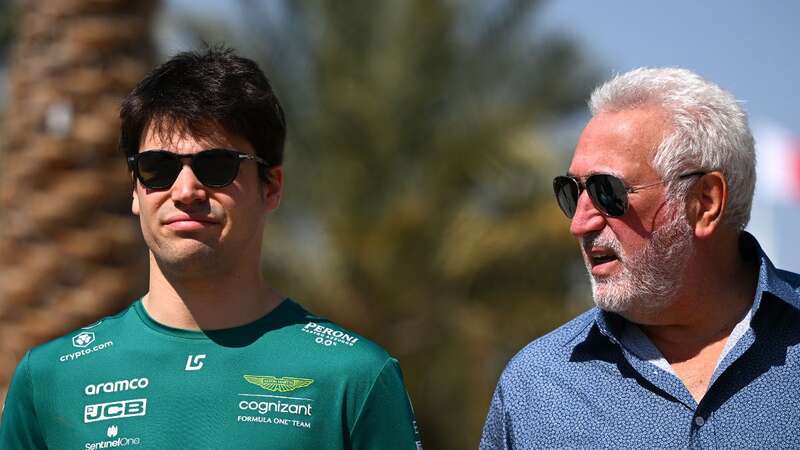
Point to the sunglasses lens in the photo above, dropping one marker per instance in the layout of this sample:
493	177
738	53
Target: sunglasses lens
567	192
216	167
608	193
157	170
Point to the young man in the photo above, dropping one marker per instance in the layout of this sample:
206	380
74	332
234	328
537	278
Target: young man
212	356
694	341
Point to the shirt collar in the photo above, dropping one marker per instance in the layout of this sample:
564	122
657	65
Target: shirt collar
780	283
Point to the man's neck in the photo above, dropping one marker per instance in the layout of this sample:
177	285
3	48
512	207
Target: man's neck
693	333
713	297
224	300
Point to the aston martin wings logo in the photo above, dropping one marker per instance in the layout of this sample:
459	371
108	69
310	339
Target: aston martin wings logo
278	384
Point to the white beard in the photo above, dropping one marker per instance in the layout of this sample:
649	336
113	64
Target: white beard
650	278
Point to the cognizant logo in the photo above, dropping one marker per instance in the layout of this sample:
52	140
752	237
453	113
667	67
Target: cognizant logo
277	406
116	386
75	355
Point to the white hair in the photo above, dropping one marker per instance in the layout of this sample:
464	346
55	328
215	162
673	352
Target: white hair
710	131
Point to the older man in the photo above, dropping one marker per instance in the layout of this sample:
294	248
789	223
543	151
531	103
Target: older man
693	342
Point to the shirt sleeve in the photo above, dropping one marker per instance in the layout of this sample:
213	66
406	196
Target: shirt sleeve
19	428
386	419
494	435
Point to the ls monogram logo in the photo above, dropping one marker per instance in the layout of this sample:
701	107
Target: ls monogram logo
195	362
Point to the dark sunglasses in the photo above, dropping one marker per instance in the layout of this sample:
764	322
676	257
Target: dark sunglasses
608	193
216	167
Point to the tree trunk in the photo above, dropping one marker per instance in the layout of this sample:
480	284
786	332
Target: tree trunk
70	251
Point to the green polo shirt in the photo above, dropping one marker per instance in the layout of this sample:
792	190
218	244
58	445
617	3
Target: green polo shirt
289	380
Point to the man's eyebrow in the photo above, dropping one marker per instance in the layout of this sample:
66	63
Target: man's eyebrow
596	172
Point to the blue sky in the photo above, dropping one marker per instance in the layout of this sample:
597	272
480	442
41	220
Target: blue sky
749	48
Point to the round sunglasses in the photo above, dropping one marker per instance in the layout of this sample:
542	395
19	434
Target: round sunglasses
608	193
216	167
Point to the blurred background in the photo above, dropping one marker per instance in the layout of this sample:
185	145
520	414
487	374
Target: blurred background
423	138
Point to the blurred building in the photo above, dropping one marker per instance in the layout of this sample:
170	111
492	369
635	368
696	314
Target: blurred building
775	219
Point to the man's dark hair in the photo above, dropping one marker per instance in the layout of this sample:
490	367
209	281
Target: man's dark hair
196	92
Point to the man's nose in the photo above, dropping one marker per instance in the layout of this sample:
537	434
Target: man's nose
587	218
187	188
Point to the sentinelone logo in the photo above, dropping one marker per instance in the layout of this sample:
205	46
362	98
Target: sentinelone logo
112	432
328	336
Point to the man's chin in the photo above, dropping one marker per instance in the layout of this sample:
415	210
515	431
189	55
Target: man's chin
614	305
619	293
609	294
189	258
635	307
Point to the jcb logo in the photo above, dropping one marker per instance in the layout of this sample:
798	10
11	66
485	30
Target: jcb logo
114	410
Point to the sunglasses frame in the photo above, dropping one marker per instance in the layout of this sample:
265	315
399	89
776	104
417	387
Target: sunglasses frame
582	186
133	165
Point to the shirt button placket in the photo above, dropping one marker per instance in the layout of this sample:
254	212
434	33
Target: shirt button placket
702	432
699	421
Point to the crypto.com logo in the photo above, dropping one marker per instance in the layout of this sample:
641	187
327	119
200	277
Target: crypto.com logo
83	339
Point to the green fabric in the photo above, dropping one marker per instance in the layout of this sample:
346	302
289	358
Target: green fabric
289	380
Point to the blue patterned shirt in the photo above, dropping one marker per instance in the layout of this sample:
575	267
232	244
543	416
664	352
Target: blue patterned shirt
587	385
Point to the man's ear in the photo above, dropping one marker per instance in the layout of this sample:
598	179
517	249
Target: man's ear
272	189
135	202
707	200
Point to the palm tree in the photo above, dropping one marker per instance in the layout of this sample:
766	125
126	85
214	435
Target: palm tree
69	250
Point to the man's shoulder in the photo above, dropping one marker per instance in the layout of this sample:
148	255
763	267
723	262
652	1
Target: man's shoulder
550	351
782	284
333	344
79	342
791	278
